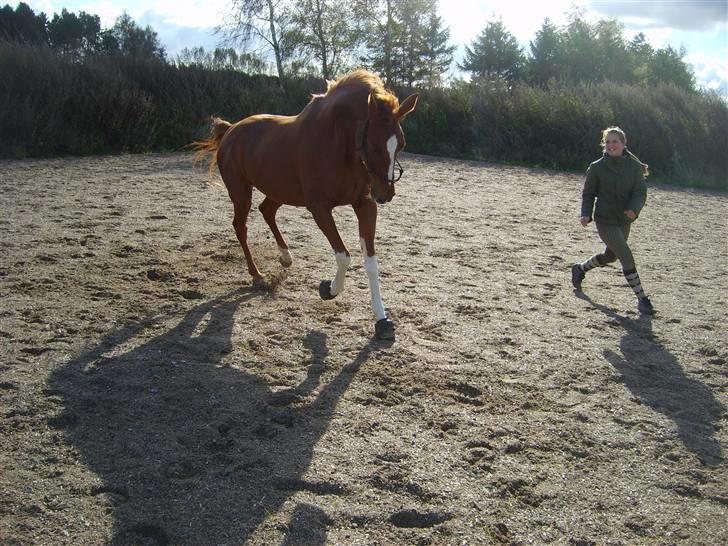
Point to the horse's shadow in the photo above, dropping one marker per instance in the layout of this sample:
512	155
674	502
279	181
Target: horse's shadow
191	451
656	378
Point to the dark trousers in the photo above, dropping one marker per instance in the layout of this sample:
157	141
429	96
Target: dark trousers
615	237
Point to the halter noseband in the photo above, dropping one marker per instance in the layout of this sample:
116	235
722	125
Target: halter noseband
363	154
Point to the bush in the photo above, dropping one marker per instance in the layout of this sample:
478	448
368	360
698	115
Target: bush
681	134
115	103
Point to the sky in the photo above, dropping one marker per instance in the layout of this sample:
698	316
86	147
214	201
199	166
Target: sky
701	26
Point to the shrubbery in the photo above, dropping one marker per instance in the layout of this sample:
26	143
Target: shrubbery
681	134
105	103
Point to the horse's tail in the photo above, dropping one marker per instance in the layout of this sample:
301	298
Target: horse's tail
207	149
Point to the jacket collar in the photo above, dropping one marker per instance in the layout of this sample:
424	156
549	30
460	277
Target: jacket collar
615	164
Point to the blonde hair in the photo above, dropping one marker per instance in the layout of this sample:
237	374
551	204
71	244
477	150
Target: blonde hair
623	139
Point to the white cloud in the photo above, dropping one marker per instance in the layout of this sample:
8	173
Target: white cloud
466	18
191	13
188	13
175	38
711	71
676	14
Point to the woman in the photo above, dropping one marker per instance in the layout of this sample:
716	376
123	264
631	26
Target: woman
617	182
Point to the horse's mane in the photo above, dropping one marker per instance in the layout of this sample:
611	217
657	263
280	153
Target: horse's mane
366	80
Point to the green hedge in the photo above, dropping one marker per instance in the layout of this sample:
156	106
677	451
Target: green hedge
111	103
683	136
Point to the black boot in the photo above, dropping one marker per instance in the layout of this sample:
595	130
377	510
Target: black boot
577	275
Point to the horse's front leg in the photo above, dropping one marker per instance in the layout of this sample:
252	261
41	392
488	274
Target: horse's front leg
366	212
325	221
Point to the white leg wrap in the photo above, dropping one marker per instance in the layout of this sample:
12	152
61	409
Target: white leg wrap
342	264
286	258
372	268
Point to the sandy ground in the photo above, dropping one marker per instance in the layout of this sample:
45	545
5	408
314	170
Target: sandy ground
150	395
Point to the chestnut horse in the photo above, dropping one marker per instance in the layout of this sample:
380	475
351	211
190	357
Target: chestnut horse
340	150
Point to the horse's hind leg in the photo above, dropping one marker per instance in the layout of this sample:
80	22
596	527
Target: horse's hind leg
242	208
269	207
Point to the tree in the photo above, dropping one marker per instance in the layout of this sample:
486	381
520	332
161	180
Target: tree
546	54
128	38
74	34
668	66
221	59
582	61
642	53
407	43
329	33
494	54
436	54
384	29
617	64
22	25
269	22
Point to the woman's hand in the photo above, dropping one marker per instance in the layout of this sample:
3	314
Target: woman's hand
585	220
630	214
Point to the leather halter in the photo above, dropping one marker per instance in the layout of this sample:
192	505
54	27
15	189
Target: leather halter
363	155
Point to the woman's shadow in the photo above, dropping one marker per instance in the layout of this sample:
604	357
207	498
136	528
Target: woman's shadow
656	378
188	450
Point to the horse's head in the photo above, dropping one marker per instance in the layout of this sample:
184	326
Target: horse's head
382	141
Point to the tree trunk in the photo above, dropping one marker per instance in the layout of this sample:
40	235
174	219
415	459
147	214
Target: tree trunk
321	36
388	46
275	44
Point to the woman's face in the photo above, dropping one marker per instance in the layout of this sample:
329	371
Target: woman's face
613	145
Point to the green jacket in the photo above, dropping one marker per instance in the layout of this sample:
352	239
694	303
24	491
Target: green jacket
617	184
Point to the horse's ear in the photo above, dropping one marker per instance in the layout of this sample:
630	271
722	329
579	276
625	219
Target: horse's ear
407	106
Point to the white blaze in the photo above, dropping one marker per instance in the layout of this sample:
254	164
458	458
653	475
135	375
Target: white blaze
391	148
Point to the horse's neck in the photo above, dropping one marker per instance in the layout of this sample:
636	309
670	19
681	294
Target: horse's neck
350	102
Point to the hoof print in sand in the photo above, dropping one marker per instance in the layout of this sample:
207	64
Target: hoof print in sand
466	394
414	518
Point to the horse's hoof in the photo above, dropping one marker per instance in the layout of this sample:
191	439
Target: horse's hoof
285	258
325	290
384	329
259	283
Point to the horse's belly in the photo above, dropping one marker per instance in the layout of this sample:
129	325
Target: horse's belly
281	191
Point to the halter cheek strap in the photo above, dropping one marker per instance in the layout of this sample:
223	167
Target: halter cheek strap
362	137
363	155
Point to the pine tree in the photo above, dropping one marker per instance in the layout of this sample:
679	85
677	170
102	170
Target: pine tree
494	54
437	54
21	25
642	54
669	66
582	61
546	54
616	61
